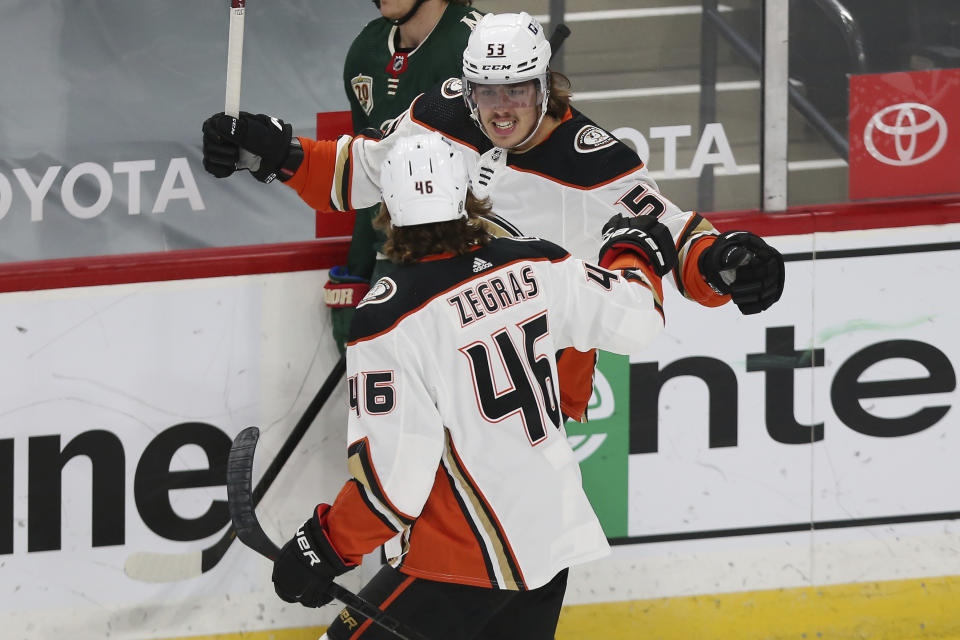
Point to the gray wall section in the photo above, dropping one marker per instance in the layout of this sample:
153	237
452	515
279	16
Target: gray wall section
129	81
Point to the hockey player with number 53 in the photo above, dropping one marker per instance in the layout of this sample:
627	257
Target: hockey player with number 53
548	170
455	435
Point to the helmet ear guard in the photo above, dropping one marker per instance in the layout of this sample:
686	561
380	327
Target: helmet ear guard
506	48
424	180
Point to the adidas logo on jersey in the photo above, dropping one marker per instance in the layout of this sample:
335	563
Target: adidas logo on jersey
479	264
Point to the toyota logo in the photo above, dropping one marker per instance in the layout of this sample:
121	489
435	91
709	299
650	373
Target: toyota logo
910	120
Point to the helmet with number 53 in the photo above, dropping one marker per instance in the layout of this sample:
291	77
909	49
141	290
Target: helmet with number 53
506	68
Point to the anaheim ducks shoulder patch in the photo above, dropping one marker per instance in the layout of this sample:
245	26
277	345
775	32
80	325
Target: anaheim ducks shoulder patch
383	290
592	138
452	88
499	227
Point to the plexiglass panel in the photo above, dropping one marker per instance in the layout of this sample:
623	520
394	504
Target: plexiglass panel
894	122
636	70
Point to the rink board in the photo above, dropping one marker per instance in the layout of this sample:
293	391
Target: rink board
902	609
852	535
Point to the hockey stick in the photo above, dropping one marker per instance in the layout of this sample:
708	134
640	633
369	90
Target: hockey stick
231	102
242	502
238	11
148	566
556	39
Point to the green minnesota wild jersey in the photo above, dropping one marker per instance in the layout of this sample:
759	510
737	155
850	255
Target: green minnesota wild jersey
381	81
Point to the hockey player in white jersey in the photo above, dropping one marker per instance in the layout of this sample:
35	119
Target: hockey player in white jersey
548	170
456	442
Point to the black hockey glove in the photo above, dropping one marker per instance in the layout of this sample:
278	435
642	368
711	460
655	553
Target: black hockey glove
741	264
220	156
640	234
272	152
308	563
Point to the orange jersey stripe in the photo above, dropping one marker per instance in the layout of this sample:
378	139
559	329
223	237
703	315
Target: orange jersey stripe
694	285
383	607
354	526
575	377
627	259
360	465
314	178
444	545
505	555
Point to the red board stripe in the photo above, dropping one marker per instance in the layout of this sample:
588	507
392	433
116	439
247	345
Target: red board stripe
323	254
841	217
172	265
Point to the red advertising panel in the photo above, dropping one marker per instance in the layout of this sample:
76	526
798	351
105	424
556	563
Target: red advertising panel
904	134
332	224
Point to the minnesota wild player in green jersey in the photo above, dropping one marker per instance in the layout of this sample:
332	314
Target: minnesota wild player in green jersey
395	59
414	45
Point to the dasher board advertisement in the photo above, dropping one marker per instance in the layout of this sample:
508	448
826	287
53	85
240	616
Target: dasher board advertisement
814	443
904	134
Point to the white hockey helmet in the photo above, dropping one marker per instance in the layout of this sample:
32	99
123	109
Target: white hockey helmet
506	48
423	179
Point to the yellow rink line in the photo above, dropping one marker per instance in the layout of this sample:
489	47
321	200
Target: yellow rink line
894	610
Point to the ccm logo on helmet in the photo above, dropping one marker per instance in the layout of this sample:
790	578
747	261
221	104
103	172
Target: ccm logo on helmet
496	67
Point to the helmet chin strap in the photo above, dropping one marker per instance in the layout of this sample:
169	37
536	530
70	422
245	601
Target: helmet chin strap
400	21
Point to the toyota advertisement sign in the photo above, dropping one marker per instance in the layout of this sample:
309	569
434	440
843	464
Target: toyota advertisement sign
904	134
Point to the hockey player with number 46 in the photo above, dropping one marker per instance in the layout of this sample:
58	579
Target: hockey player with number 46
548	170
455	434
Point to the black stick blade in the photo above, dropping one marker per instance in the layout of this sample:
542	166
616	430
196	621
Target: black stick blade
240	495
556	39
240	502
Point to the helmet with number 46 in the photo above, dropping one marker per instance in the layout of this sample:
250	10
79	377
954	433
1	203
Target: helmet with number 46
423	179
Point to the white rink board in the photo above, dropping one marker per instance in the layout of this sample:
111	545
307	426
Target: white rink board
137	359
714	498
